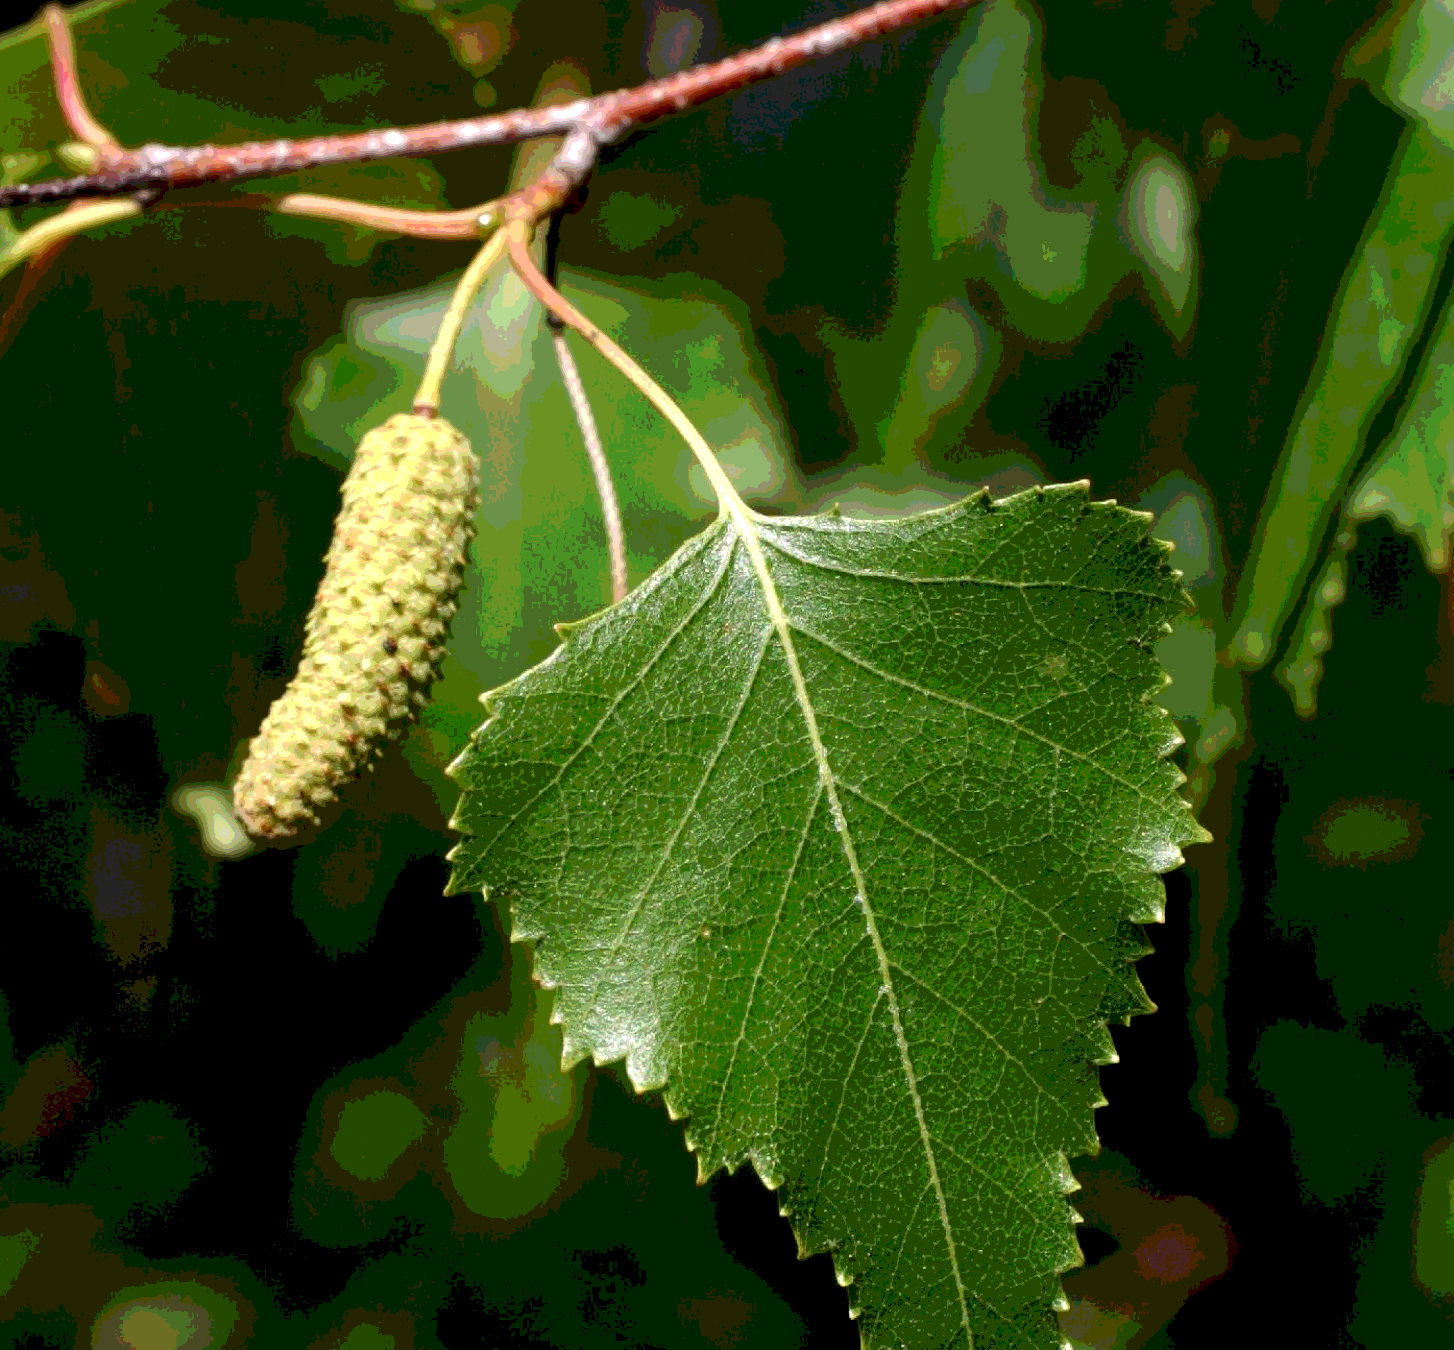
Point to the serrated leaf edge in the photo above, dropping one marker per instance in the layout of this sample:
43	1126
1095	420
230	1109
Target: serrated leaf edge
744	522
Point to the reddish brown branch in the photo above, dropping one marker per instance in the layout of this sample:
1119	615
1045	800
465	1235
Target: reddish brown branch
606	117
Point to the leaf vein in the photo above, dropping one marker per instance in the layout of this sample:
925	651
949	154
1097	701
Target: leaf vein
748	531
810	816
638	902
966	706
775	541
968	861
847	1079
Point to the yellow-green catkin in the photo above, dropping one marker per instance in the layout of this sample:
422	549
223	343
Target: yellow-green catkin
377	630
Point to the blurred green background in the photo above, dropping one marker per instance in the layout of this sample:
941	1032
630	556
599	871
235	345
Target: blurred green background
1196	254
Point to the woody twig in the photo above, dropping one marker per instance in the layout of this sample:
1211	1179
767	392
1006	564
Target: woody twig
607	117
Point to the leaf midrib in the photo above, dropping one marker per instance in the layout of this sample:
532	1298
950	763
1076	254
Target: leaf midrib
745	523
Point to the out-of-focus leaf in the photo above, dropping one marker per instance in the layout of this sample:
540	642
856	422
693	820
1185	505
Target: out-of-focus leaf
987	187
1381	308
1411	482
373	1131
1157	220
849	862
1405	59
182	1313
512	1093
1434	1222
1305	664
473	1099
976	207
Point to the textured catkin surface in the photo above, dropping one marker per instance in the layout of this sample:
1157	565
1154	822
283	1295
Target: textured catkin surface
378	626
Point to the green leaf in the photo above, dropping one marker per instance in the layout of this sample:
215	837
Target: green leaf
844	846
1407	66
187	1314
1434	1224
1411	481
979	179
1382	307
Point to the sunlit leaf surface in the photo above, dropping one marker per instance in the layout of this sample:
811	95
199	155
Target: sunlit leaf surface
864	924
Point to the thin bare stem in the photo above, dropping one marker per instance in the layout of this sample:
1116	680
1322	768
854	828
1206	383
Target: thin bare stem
600	465
518	233
441	351
78	217
27	292
68	89
569	167
730	505
41	245
606	116
387	219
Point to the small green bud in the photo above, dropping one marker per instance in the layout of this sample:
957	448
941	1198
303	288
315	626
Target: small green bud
376	633
78	157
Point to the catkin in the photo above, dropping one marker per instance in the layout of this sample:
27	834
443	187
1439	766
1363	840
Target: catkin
378	626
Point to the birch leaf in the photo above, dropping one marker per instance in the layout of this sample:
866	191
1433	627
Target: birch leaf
844	847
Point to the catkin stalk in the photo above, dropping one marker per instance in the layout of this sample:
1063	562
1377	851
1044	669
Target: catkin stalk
376	633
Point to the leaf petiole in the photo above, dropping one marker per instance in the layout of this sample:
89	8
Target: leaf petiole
519	233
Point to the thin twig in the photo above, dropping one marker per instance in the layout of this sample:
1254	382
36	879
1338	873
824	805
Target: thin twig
600	465
586	421
387	219
43	242
41	245
606	116
68	88
730	504
75	218
518	233
441	350
569	168
26	292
